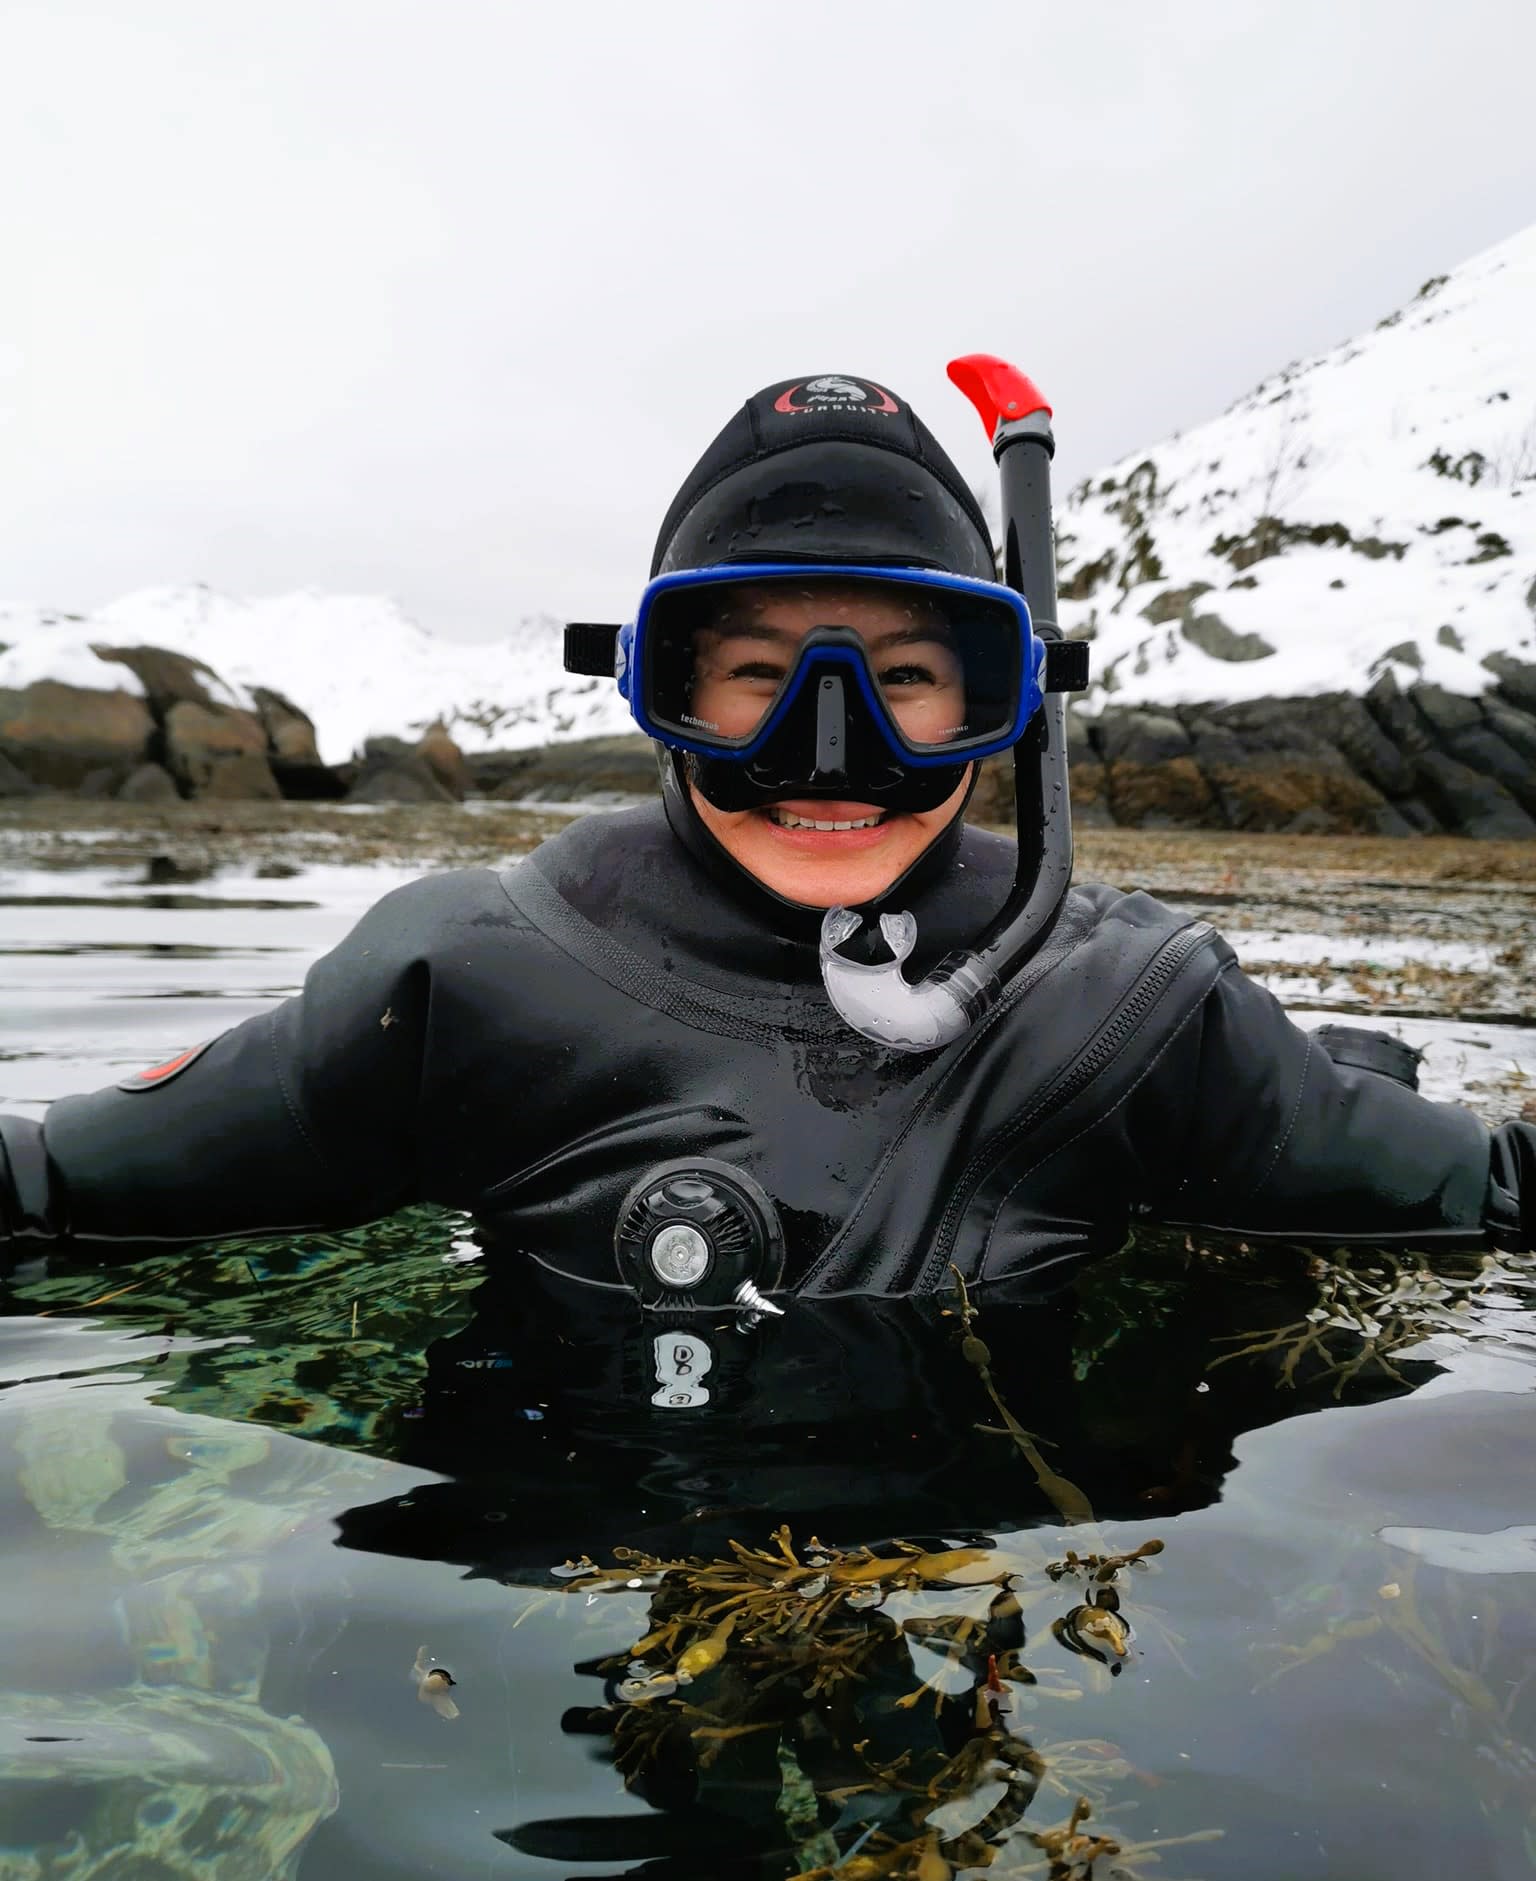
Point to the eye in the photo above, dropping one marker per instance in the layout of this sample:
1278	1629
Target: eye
761	672
908	673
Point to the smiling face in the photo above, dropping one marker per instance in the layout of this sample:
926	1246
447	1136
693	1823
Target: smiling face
822	853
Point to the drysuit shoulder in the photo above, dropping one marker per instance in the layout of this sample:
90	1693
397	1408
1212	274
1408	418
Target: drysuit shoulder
303	1116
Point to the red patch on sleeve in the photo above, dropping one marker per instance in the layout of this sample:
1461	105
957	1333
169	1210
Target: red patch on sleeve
157	1075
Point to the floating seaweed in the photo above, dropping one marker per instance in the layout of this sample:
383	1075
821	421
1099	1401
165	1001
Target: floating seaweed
1373	1308
1067	1499
798	1667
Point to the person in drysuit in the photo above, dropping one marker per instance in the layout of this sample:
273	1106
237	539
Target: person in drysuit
669	1060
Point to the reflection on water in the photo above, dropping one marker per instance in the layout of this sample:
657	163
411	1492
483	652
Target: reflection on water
186	1644
287	1529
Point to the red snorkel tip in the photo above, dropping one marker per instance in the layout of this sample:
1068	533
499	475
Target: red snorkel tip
1000	392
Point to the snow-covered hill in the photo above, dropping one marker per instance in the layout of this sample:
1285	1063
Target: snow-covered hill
1372	507
355	664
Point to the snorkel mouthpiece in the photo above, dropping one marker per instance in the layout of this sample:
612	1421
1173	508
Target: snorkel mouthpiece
879	1000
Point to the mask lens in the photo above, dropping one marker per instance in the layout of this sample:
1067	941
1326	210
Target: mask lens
946	663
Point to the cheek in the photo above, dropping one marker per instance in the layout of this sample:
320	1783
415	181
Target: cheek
723	707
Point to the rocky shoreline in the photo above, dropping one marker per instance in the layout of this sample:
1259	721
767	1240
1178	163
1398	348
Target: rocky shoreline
1392	762
1395	761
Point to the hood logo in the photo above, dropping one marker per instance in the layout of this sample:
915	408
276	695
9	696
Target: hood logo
831	393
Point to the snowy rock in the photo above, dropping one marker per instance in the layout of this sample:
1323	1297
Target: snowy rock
57	734
168	678
356	665
218	751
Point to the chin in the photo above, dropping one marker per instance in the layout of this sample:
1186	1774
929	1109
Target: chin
826	880
846	894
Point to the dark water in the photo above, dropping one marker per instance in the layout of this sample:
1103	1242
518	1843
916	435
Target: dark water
252	1499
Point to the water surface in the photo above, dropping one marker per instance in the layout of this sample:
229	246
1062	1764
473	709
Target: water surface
251	1498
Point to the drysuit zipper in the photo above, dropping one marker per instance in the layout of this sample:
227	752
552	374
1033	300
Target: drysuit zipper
1148	990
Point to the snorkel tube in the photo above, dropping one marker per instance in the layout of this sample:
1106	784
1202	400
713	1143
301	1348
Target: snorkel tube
879	1001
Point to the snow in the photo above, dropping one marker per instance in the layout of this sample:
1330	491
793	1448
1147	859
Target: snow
356	664
42	645
1423	572
1350	439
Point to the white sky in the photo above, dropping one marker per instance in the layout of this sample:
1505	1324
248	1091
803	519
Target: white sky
441	298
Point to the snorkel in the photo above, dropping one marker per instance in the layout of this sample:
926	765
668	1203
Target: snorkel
878	1000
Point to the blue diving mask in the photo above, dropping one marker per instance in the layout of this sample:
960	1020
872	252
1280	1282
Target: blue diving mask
835	679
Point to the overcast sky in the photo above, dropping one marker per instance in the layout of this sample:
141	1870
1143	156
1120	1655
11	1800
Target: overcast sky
442	298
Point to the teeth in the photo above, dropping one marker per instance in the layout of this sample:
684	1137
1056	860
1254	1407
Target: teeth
787	819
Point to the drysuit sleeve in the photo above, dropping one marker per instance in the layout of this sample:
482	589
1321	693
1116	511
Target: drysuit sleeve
1279	1140
305	1116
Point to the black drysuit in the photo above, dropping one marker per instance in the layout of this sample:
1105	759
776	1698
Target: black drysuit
527	1044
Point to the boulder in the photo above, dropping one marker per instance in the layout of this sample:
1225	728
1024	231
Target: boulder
1139	735
1346	723
56	735
245	775
148	783
1481	748
104	781
292	751
1270	769
1516	728
1080	744
1395	714
1151	779
1447	712
1468	803
1174	603
445	761
1517	679
218	751
290	731
1090	802
992	801
1211	634
1416	813
1405	653
575	769
14	783
168	678
389	771
1171	794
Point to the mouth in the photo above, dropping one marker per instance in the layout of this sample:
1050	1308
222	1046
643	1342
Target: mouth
814	827
785	818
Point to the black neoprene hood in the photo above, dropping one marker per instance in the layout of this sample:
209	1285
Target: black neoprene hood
829	468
